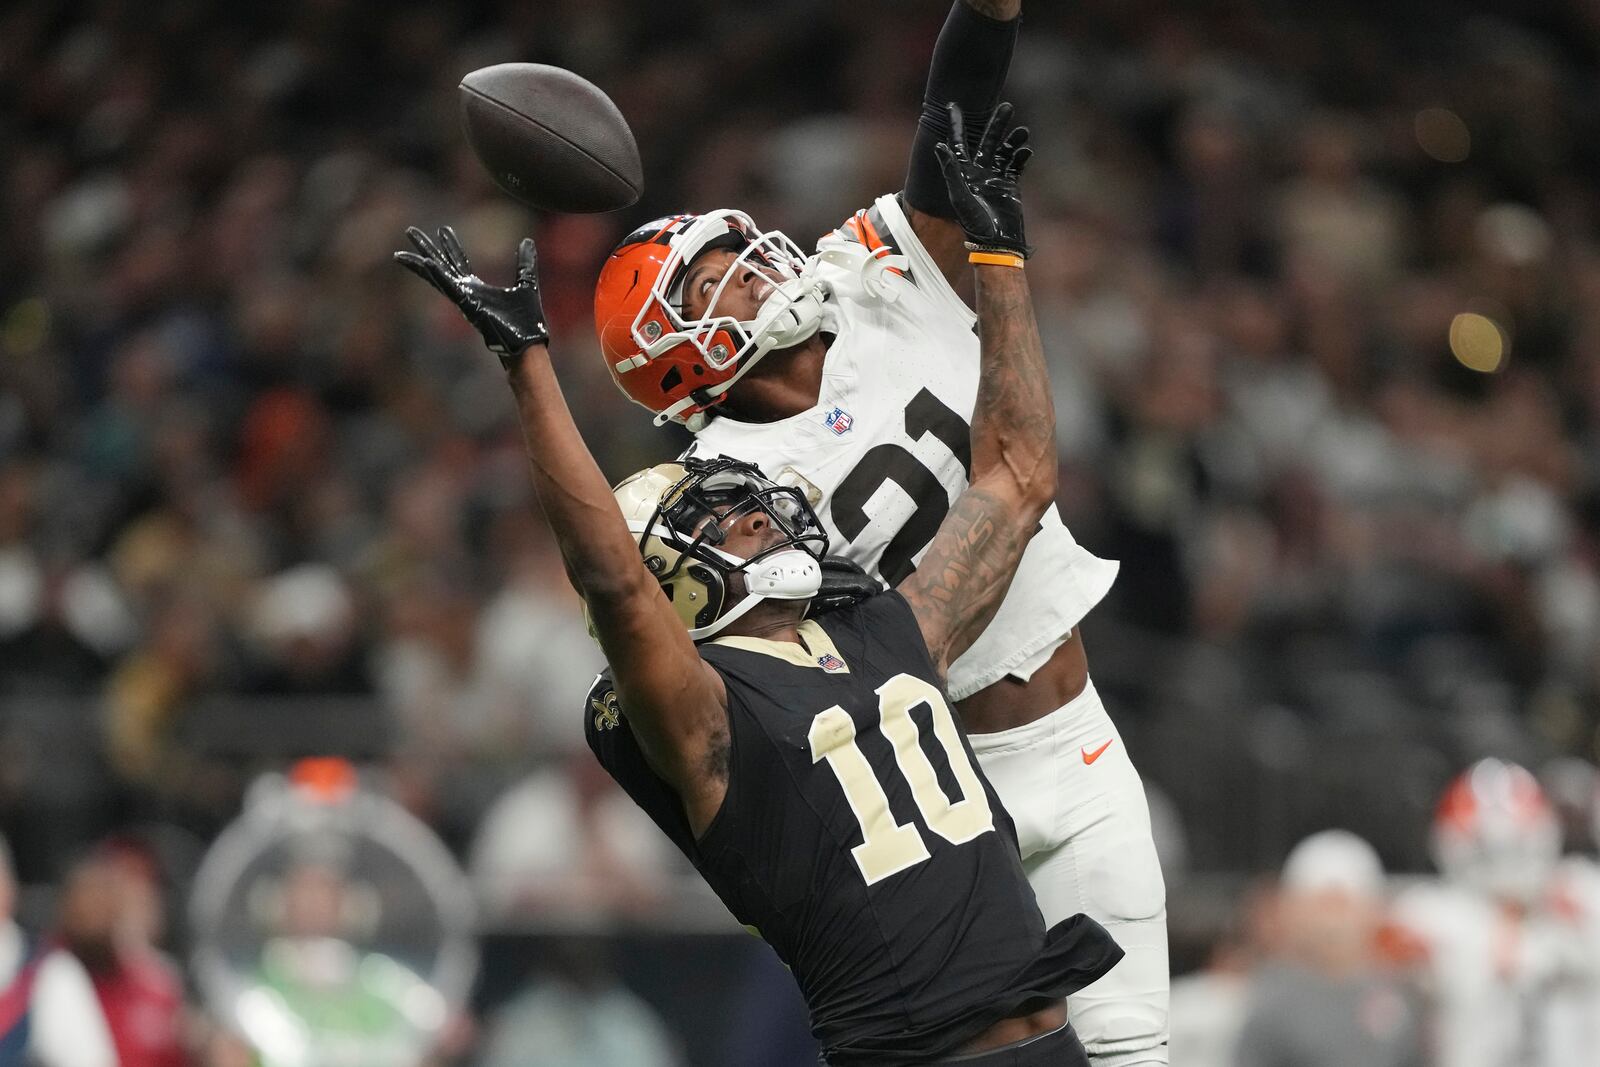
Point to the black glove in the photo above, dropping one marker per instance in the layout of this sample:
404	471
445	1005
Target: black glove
983	186
843	584
509	319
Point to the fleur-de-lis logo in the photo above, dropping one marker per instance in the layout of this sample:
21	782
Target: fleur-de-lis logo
606	712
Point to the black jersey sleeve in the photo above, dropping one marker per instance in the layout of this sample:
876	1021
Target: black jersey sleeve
611	740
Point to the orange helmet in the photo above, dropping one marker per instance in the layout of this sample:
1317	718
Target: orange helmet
1495	831
679	367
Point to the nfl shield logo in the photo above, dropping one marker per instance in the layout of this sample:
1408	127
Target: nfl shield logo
830	663
839	421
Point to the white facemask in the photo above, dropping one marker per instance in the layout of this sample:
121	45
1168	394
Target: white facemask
790	314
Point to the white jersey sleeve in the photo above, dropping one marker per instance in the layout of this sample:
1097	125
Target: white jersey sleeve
887	449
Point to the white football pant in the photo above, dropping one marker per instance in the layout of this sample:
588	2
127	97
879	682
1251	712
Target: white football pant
1084	831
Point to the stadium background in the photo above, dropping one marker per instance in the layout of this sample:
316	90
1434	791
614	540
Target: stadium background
1321	298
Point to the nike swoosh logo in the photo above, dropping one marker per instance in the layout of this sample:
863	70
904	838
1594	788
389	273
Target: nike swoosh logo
1090	757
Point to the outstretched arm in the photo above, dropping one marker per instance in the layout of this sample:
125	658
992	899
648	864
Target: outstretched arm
675	702
968	68
961	580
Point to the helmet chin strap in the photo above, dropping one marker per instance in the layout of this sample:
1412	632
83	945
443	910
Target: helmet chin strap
793	574
797	308
791	313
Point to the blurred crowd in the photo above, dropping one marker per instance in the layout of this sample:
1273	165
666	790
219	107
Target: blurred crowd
1494	962
309	986
314	948
1320	291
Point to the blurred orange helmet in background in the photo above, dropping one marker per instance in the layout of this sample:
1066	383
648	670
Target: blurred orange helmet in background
1495	831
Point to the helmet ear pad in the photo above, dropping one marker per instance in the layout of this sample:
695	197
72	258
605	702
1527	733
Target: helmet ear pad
697	591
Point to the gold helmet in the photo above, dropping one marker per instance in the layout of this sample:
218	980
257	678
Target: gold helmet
667	506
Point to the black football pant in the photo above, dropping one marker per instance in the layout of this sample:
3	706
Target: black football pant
1058	1048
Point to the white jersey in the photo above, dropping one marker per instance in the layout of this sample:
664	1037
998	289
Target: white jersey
886	450
1503	984
1570	1031
1470	971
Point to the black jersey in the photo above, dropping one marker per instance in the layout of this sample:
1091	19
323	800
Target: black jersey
860	839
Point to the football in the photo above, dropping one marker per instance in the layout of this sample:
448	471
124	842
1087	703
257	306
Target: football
550	138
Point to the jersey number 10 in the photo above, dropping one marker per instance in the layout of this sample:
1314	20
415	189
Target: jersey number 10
888	847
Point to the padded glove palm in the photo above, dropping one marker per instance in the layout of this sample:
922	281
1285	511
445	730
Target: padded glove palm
509	319
983	183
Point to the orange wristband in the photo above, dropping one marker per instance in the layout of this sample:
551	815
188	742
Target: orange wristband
995	259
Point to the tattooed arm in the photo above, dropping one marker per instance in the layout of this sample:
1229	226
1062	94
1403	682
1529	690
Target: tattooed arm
960	582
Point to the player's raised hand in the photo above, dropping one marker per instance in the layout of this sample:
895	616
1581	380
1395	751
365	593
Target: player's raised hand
509	319
983	182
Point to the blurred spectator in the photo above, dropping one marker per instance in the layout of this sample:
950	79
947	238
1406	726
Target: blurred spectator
304	622
141	933
1332	214
577	1015
330	927
1327	999
49	1015
1209	1005
317	996
1573	787
107	920
567	845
